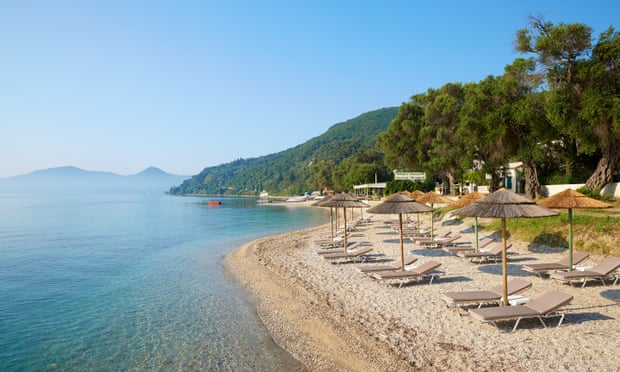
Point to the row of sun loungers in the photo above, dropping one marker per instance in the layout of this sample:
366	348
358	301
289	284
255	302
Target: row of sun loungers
482	305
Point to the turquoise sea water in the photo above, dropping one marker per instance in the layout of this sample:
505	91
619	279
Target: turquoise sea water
132	282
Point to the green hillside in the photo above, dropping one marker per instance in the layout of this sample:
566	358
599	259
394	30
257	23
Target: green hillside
288	172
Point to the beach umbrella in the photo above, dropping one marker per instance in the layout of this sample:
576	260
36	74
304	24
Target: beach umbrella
505	204
431	198
466	200
344	201
571	199
399	204
415	195
320	203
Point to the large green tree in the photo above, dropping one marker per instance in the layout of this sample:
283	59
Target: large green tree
583	83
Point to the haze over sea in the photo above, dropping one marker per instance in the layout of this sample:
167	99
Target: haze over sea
113	281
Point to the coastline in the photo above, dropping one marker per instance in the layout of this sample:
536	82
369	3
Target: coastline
332	317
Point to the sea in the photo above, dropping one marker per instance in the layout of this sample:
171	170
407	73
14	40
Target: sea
133	282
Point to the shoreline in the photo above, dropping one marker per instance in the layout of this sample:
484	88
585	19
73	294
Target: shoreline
332	317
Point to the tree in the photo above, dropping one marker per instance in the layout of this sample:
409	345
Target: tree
486	127
583	84
398	141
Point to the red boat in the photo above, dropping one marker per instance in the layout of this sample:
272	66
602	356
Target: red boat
214	202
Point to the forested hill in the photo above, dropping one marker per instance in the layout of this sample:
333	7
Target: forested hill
288	172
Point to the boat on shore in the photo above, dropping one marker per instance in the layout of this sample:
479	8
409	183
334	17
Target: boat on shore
296	199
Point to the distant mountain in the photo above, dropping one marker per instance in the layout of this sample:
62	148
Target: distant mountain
72	179
287	172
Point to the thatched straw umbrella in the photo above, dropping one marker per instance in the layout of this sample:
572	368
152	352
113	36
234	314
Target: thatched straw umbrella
505	204
431	198
466	200
344	201
570	199
399	204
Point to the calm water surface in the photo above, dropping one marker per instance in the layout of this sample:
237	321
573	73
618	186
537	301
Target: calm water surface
132	282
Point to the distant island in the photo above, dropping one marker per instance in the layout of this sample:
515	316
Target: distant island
73	179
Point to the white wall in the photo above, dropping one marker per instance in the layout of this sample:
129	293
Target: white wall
612	189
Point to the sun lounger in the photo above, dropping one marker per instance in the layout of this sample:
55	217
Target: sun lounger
483	242
489	254
421	272
548	305
439	242
603	271
545	268
359	254
409	259
329	242
491	296
351	245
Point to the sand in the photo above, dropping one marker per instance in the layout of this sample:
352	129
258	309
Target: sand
334	318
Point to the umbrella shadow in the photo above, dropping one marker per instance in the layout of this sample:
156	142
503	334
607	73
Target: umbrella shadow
426	252
393	241
611	294
453	279
452	222
387	233
496	269
582	317
548	243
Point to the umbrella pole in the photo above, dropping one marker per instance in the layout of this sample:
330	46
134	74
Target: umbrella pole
402	250
504	263
344	212
432	223
476	231
570	239
331	220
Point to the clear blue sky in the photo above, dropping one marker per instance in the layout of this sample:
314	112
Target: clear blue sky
122	85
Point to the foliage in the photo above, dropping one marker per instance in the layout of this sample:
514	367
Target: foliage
395	186
306	167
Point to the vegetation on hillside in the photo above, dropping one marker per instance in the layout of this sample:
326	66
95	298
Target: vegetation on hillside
337	159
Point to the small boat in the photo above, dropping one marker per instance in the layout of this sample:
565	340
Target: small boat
214	202
295	199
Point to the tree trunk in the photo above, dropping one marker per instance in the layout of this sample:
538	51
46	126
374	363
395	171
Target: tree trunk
532	184
604	171
496	181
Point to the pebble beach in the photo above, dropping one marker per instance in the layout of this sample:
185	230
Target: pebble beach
332	317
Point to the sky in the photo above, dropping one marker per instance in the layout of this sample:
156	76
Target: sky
122	85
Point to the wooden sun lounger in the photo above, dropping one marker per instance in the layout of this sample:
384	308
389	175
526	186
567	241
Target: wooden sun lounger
426	270
489	254
603	271
439	242
545	306
351	245
545	268
409	259
483	242
359	254
490	296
